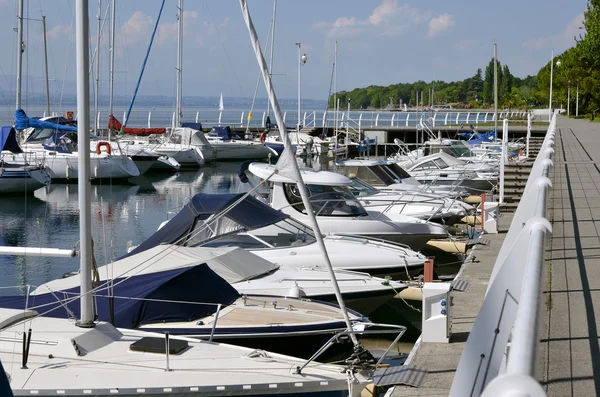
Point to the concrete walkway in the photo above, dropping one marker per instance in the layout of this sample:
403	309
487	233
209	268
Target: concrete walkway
569	362
441	359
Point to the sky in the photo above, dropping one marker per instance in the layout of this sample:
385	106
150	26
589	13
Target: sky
380	42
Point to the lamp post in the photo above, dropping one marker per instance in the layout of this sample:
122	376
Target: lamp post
301	61
569	98
577	101
551	73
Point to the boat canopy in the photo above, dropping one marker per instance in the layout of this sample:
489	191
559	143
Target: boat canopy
23	122
189	136
8	140
116	125
192	125
311	177
165	272
188	225
223	132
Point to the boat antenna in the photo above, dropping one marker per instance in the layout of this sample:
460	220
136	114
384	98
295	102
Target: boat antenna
287	165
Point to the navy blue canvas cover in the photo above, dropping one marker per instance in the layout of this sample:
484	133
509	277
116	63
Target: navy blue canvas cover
194	126
8	140
250	213
22	122
191	284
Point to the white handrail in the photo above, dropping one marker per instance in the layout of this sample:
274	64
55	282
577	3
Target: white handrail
511	304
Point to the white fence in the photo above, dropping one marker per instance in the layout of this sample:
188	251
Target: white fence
491	365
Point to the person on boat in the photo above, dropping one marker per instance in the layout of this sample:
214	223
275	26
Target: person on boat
263	136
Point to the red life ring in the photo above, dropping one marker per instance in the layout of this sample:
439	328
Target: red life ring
105	144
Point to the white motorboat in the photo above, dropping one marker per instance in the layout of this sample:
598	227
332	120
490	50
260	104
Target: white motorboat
388	176
188	292
441	168
238	220
339	212
409	198
23	176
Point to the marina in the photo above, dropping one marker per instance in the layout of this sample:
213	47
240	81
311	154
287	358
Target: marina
266	247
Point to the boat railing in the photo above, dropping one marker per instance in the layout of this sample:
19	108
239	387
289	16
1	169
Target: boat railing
502	346
390	328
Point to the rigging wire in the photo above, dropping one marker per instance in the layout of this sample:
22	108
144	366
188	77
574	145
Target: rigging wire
224	48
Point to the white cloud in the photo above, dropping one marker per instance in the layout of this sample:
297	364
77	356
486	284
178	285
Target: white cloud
388	19
207	32
168	31
137	27
564	38
440	24
57	31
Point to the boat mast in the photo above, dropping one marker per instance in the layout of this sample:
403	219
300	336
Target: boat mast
335	107
272	49
21	48
178	114
83	187
288	161
111	72
46	64
97	80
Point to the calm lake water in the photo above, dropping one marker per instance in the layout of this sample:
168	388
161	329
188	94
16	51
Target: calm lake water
120	214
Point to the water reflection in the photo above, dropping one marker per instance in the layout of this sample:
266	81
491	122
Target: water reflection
121	214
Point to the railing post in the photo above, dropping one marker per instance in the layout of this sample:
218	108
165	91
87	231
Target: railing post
485	119
446	119
376	119
407	117
149	118
324	116
304	120
392	123
468	114
477	119
528	135
262	122
197	115
284	116
482	220
457	114
433	123
242	119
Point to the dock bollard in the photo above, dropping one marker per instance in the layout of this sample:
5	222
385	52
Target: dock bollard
428	270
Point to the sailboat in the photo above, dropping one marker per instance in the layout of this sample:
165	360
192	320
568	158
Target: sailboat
17	178
57	356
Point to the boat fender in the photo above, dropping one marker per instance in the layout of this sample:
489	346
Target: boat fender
105	144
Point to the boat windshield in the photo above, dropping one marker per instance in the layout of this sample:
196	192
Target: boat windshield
461	149
360	188
285	233
325	200
40	135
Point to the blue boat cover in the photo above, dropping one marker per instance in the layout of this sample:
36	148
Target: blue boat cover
194	126
4	385
223	132
8	140
191	284
250	214
22	122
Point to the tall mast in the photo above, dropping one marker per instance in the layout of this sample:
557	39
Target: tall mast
21	47
111	72
83	187
272	48
335	123
178	114
97	80
46	64
289	162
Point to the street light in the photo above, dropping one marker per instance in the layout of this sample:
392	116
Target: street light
301	61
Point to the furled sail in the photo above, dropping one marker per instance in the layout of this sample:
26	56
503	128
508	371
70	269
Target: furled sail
116	125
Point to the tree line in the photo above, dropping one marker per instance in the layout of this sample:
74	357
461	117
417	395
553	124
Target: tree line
577	71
